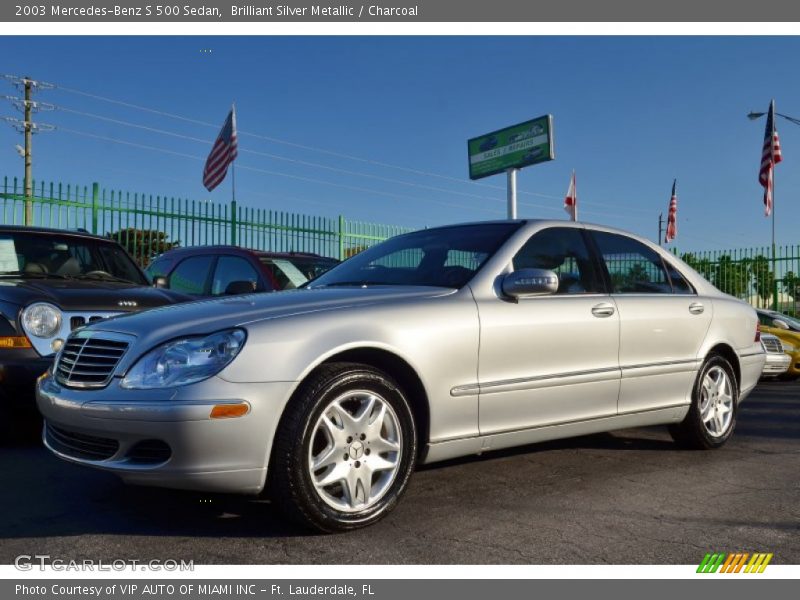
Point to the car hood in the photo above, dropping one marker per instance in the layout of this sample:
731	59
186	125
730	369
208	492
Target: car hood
207	316
86	295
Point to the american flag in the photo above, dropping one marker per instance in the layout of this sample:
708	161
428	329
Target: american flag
672	217
770	156
571	200
222	154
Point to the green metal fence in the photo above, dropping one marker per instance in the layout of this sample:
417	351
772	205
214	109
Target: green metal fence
764	278
148	224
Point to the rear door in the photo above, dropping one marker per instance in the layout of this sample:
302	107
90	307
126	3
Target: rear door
663	323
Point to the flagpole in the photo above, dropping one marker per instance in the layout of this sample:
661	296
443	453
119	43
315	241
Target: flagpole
234	210
774	259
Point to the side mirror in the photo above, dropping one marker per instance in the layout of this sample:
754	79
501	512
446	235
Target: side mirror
530	282
780	324
160	282
240	287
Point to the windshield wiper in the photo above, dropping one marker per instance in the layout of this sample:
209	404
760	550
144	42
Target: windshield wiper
352	284
33	275
107	277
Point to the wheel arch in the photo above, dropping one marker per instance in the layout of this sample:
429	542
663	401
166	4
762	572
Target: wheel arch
729	354
403	373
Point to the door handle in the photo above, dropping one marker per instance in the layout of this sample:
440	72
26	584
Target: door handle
603	310
696	308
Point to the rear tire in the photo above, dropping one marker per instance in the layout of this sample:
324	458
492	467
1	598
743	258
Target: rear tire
344	450
712	416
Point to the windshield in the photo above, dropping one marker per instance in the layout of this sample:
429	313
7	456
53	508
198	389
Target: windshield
292	272
65	257
793	324
442	257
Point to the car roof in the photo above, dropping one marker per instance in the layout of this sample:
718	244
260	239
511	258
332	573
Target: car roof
52	231
227	249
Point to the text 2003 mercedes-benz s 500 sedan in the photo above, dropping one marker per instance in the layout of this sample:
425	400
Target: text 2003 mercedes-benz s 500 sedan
432	345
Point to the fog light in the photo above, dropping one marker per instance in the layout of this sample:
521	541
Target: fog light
229	411
56	344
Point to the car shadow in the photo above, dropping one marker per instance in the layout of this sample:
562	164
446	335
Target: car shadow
44	497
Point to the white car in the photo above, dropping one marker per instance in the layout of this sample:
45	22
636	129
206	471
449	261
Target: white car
777	361
435	344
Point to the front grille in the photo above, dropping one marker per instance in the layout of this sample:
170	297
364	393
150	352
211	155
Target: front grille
79	445
89	361
150	452
772	345
80	321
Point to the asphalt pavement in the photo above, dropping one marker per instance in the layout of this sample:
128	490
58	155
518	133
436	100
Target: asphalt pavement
628	497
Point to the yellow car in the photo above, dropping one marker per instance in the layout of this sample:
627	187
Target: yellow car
788	330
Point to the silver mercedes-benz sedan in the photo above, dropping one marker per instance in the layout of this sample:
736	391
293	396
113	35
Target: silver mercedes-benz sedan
432	345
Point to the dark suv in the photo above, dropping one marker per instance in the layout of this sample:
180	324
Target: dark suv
223	270
52	282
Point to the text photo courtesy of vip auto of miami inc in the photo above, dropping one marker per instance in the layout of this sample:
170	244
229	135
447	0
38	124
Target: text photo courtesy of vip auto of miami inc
399	301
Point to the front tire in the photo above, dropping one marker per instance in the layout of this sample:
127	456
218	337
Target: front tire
712	416
344	450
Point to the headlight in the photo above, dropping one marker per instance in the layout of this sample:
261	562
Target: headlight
185	361
788	347
41	320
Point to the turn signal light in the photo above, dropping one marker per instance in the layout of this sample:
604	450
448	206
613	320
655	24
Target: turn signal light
758	332
15	342
229	411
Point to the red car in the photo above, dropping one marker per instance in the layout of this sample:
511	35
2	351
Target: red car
224	270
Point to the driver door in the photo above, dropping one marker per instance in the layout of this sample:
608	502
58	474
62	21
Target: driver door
550	359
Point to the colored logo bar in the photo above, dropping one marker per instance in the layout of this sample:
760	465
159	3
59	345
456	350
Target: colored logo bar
734	562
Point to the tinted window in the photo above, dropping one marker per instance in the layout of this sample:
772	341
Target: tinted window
679	283
191	274
158	268
633	267
562	250
119	263
65	256
230	269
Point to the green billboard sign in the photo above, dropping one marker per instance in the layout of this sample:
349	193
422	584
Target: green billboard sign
514	147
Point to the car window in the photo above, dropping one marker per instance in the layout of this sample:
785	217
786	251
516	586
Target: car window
633	267
230	269
191	274
679	283
158	268
65	256
443	257
764	319
292	272
118	263
563	251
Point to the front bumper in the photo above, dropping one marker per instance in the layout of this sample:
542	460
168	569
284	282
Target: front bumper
19	369
166	438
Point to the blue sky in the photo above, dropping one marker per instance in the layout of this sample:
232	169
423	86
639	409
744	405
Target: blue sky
630	114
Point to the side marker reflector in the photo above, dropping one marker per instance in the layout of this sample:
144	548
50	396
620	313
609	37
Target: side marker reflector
229	411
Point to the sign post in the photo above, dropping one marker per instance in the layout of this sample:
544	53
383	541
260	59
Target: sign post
510	149
511	193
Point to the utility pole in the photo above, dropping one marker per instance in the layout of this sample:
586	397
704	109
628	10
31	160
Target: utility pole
660	227
27	127
28	152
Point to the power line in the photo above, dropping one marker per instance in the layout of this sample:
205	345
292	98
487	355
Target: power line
316	165
270	172
351	157
287	159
